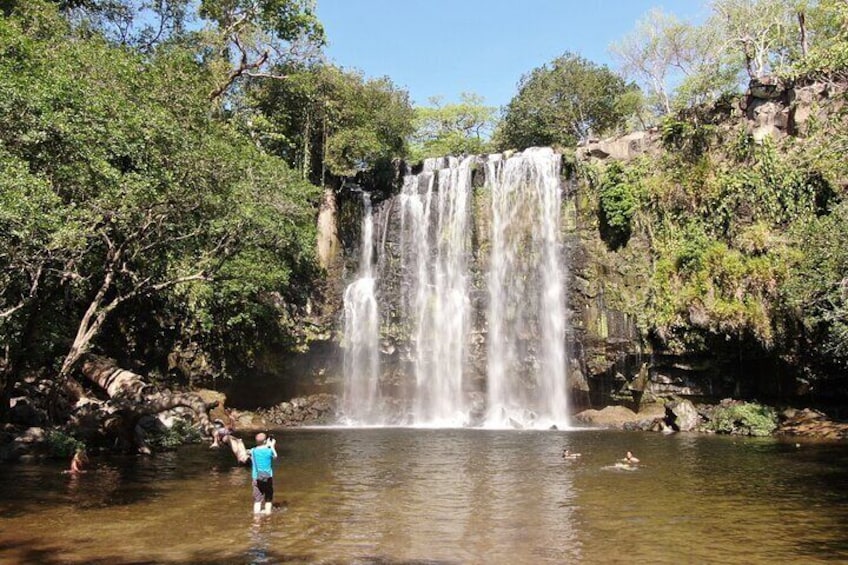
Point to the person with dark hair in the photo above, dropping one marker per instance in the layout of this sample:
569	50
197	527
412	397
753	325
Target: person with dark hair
262	461
630	459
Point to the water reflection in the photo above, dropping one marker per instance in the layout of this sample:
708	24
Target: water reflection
443	496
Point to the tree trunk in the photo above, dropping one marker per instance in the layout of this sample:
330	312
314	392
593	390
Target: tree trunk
307	133
115	381
132	397
802	27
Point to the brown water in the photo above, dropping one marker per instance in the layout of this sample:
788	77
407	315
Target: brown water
443	496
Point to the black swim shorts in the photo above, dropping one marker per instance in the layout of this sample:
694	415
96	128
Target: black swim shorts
263	491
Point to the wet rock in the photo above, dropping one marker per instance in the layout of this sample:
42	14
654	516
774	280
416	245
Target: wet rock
478	408
811	423
315	409
23	411
618	416
682	416
23	444
610	416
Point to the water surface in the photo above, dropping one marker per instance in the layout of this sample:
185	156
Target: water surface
442	496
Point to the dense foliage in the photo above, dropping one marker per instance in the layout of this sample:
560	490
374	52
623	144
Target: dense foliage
128	202
743	238
324	120
747	418
744	232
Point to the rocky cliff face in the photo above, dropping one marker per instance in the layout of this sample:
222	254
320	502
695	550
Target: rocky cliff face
621	365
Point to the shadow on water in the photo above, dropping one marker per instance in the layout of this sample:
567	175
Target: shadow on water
37	551
42	552
116	480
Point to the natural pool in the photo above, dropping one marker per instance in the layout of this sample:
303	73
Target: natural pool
443	496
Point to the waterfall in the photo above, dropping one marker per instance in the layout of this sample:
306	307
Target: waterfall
361	333
434	259
526	317
498	360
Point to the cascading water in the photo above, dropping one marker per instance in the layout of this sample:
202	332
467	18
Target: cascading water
426	287
526	341
362	331
435	246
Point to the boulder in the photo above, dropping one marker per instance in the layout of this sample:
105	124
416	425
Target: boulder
615	417
811	423
766	88
23	411
622	148
309	410
682	415
24	444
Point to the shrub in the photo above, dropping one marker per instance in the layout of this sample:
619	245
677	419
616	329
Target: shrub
616	206
747	418
62	444
179	434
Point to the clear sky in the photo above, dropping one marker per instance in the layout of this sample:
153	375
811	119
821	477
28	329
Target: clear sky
446	47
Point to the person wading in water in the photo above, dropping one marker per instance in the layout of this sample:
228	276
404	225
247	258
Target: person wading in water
262	461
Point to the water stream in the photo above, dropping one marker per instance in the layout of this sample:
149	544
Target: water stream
435	245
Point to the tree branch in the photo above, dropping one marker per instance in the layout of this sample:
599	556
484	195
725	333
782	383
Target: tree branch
33	289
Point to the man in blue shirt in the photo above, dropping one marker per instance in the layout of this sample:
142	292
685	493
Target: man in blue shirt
262	457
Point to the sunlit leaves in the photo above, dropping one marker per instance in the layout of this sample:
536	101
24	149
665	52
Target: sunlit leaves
561	103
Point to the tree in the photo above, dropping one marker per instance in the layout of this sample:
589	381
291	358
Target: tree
453	129
257	35
825	26
563	102
658	50
760	30
817	290
141	24
323	119
121	190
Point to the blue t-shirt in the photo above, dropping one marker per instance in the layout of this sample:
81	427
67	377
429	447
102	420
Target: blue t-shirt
263	458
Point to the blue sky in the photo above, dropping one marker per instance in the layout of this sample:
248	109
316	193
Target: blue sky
446	47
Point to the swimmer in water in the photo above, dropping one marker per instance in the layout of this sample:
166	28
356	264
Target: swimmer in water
630	459
78	462
567	454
